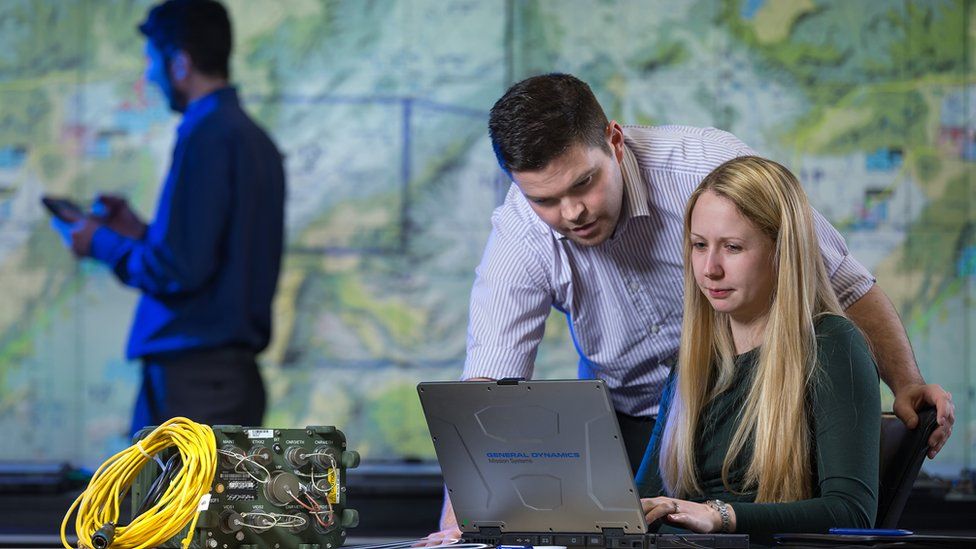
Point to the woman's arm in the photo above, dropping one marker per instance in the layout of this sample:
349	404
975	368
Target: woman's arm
846	429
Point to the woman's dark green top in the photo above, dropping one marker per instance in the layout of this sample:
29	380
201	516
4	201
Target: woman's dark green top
846	427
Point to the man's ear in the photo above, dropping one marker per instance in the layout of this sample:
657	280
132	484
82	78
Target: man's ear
615	134
180	66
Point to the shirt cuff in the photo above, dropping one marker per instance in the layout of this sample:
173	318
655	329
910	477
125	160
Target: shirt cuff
495	363
853	281
107	245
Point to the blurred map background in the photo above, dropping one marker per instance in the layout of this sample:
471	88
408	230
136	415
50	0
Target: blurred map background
381	109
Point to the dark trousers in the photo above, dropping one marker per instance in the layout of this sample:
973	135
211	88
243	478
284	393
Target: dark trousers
213	386
636	432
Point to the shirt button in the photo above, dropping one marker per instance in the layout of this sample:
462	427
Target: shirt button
655	328
634	287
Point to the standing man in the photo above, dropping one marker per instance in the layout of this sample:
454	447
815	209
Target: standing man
593	228
207	265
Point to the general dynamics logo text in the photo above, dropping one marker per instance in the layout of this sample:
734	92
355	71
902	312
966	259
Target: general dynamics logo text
528	457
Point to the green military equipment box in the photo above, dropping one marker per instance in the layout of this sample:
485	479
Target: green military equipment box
274	488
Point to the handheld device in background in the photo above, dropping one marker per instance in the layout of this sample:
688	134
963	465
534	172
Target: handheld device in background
63	208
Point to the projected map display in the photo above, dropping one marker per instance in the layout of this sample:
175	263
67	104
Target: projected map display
381	109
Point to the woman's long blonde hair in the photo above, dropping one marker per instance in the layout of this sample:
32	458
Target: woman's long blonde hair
774	417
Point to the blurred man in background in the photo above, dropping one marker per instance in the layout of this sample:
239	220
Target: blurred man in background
207	264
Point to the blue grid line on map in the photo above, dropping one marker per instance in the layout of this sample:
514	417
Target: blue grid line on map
407	105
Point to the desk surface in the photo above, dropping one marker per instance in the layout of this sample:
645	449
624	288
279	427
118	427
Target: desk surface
8	541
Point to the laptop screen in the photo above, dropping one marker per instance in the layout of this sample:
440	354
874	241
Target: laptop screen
532	456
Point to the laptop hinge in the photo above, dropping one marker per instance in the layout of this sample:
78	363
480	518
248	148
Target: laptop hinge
616	538
487	532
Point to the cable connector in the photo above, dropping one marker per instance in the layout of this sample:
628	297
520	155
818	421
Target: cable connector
104	536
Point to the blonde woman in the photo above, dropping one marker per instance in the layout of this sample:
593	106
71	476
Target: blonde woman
772	418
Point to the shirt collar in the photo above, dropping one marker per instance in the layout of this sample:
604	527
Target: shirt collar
636	195
202	106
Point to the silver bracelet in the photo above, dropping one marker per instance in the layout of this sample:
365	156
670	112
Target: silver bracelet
723	511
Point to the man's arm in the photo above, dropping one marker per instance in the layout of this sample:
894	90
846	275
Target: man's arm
448	530
510	301
879	321
508	312
873	312
180	249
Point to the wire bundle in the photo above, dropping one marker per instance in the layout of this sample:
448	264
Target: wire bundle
98	506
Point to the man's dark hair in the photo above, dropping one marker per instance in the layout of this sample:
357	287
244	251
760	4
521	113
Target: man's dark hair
201	28
541	117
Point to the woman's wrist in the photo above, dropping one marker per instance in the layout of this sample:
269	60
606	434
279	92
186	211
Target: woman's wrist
723	516
716	518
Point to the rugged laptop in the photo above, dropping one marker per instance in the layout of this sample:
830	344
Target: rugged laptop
538	463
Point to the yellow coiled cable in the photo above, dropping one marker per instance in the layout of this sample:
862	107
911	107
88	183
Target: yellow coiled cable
99	504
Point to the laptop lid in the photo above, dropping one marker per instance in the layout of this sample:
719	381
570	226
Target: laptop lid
532	456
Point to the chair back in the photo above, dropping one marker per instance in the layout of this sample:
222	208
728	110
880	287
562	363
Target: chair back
902	453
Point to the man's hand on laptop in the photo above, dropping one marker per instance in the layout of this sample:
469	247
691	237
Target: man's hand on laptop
446	536
449	532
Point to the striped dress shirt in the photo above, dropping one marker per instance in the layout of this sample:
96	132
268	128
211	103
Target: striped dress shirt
623	297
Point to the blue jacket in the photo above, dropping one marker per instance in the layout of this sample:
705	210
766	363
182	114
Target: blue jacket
208	263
